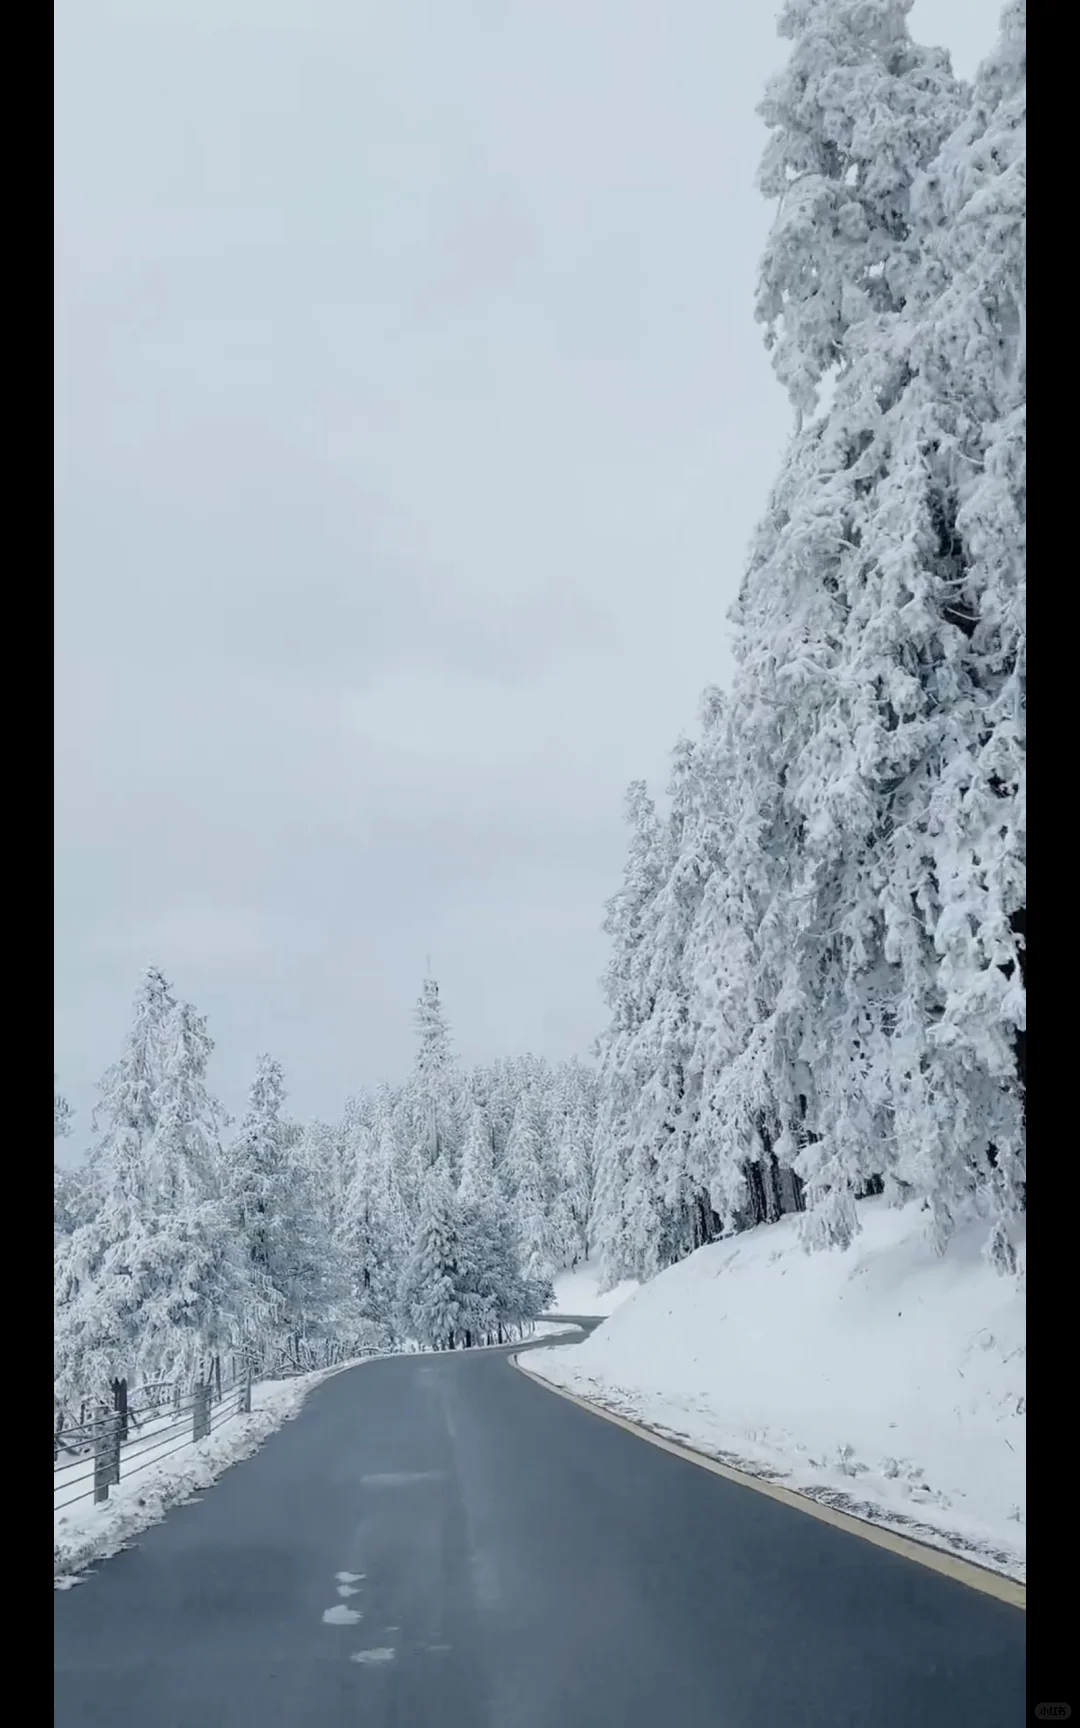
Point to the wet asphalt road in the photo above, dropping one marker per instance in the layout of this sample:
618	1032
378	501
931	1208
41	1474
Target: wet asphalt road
512	1562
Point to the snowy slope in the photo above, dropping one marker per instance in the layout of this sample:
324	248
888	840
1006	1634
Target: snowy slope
577	1292
880	1377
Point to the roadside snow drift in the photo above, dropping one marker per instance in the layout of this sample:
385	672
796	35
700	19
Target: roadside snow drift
881	1378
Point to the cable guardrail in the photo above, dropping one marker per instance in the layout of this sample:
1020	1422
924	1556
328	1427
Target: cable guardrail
104	1453
153	1422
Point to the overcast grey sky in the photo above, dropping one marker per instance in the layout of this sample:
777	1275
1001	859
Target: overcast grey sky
411	424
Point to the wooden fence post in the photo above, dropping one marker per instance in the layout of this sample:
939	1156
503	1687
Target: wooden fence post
106	1454
200	1426
245	1393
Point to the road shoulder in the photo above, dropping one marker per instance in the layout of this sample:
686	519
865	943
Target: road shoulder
981	1578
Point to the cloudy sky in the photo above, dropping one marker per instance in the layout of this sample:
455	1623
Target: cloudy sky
411	424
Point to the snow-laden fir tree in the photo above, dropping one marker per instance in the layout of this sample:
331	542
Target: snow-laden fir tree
824	982
962	860
270	1214
855	115
153	1283
395	1175
126	1116
531	1168
574	1131
429	1295
369	1242
624	992
184	1152
434	1074
478	1187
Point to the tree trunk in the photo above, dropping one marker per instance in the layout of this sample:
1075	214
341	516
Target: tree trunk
755	1205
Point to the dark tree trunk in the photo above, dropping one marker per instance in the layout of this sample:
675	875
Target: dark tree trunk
705	1223
774	1205
120	1405
755	1201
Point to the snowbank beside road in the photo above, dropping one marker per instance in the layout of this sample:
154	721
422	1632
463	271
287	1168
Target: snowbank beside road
85	1532
883	1379
577	1292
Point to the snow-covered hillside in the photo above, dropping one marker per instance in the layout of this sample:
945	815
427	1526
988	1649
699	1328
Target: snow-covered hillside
578	1292
881	1373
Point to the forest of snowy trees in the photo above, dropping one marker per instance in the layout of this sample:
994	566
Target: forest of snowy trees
816	982
433	1215
817	979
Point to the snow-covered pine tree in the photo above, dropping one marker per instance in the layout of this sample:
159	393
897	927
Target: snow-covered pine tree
397	1203
153	1285
368	1243
656	1076
125	1117
321	1307
709	1158
184	1152
429	1296
575	1116
857	112
955	893
260	1186
435	1077
478	1184
822	697
625	915
530	1163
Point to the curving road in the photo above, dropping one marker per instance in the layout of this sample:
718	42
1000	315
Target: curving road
512	1562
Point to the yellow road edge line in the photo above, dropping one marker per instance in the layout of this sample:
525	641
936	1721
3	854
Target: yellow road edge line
976	1577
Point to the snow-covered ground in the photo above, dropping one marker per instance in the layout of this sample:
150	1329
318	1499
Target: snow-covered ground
577	1292
883	1379
83	1532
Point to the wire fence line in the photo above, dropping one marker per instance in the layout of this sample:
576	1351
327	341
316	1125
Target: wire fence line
101	1451
139	1428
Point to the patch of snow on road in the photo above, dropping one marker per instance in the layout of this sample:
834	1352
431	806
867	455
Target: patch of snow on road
84	1532
883	1379
578	1292
339	1615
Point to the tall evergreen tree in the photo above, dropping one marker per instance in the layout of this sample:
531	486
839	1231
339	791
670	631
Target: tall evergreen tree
430	1289
625	992
153	1284
434	1074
